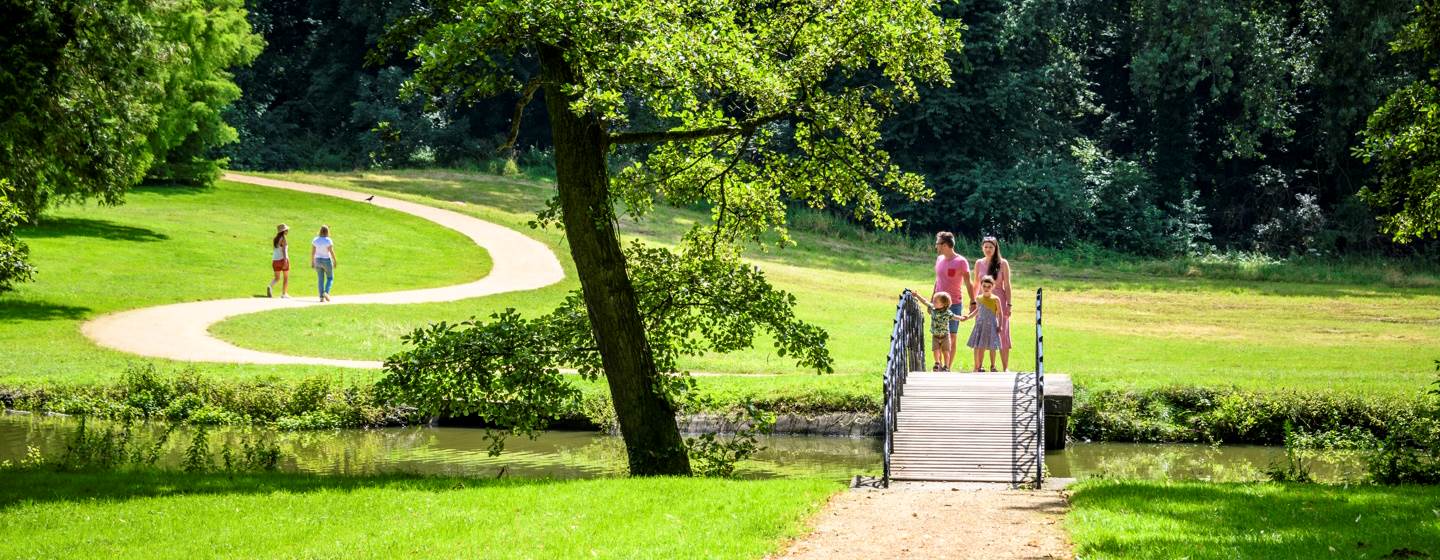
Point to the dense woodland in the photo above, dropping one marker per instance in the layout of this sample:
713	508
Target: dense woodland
1152	127
1148	126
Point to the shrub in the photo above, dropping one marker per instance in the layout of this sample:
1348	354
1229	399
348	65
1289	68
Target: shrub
1410	452
712	455
1228	415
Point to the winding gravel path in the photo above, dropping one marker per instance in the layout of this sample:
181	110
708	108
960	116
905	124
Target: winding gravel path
181	331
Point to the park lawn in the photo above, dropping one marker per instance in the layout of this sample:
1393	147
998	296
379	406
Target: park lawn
1196	520
1109	327
174	515
174	244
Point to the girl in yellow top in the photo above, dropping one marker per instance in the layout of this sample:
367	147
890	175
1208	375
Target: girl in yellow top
989	319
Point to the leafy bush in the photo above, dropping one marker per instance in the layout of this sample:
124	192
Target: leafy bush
146	393
14	254
713	455
1410	453
1228	415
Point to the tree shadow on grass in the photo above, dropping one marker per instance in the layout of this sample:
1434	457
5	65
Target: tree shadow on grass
40	311
84	227
1257	521
25	487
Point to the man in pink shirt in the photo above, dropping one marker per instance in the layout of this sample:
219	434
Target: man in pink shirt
952	276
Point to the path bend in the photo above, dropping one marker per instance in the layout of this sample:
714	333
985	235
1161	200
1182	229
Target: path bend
181	331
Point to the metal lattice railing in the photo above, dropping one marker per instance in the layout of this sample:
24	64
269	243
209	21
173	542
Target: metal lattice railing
1039	391
907	352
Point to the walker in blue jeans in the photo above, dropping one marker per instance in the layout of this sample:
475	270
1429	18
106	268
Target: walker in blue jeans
325	274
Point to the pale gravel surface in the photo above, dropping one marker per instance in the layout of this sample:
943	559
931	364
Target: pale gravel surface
937	520
181	331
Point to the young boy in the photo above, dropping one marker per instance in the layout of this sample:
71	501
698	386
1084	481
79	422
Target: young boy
940	317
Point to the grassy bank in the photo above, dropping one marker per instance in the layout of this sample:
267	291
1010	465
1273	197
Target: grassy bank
171	515
1123	519
1111	322
173	244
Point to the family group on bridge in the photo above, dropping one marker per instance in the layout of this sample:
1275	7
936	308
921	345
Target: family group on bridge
989	293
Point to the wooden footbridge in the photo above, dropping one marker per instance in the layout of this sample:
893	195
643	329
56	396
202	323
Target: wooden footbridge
975	427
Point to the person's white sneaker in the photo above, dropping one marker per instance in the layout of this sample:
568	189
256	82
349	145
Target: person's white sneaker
284	296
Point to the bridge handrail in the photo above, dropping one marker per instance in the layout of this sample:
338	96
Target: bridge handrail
907	351
1039	391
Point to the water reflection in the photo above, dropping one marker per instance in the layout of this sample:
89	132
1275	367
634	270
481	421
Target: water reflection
464	452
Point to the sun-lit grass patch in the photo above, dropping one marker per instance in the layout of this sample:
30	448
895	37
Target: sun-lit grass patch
172	515
1133	519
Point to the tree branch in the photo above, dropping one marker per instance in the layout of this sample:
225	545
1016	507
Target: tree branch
526	94
659	136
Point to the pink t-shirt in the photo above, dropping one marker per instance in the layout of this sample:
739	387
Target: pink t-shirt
950	275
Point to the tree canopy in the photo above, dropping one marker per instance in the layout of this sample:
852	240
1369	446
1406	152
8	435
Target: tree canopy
98	94
745	106
1403	136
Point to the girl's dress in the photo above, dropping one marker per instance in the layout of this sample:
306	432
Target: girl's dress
982	268
984	335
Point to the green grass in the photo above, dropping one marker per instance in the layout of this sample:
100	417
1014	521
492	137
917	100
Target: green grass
171	515
1116	519
173	244
1110	323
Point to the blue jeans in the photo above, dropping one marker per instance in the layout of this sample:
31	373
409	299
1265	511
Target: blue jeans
325	273
958	309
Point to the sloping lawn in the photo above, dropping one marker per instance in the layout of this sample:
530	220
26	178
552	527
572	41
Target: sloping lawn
173	244
1108	328
1142	520
172	515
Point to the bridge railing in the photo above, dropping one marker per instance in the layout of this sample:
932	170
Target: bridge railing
1039	390
907	353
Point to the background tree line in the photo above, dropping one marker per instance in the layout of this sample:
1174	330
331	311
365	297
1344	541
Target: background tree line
1149	126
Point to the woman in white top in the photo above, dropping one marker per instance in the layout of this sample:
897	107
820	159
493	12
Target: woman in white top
322	259
280	262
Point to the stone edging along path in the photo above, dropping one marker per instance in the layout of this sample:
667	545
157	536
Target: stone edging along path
181	331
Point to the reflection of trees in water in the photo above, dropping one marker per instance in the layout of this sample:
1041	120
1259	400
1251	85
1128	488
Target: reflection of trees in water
1196	462
456	451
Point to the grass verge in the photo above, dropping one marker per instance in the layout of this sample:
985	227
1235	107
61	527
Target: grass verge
172	515
1130	519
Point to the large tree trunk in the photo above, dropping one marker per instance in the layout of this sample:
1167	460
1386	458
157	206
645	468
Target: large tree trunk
647	420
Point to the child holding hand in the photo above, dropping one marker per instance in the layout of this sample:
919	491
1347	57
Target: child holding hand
988	319
940	317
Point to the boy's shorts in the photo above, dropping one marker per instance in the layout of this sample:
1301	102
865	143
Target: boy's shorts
941	340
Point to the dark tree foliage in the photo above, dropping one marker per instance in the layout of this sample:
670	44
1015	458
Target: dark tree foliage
1403	137
14	268
1229	122
95	95
75	99
325	94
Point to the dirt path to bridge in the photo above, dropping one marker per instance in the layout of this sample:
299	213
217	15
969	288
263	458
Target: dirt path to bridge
937	520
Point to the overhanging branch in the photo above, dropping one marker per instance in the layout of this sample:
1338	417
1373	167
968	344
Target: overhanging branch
659	136
526	94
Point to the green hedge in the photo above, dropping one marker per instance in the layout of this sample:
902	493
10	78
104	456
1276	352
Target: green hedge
1228	415
144	393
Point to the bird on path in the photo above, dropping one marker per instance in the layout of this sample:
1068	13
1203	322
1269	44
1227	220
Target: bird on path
369	198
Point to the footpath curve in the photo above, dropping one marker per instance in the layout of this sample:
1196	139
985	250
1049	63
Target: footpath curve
181	331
